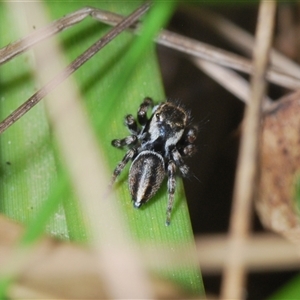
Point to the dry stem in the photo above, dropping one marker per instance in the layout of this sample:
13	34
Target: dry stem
234	274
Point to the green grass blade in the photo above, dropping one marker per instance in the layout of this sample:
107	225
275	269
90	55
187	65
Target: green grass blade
288	291
112	84
28	164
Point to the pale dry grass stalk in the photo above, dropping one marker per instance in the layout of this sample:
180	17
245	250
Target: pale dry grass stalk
234	275
62	270
264	252
230	80
240	38
110	241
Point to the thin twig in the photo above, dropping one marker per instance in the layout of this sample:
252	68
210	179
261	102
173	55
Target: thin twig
167	38
230	80
234	275
221	57
207	52
70	69
240	38
20	46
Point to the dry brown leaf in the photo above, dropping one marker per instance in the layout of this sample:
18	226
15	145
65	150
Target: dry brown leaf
280	166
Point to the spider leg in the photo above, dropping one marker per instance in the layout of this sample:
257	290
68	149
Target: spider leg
191	134
121	165
142	112
127	141
131	124
176	161
187	148
184	169
171	189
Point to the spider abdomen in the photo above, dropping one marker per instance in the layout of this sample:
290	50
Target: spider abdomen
145	176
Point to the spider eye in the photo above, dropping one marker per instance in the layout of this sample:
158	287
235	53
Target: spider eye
157	115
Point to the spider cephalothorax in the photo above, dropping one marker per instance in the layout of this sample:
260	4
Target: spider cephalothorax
156	148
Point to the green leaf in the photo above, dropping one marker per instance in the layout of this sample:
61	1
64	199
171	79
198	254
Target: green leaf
34	187
288	291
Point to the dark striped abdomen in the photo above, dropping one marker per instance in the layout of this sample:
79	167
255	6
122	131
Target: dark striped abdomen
145	176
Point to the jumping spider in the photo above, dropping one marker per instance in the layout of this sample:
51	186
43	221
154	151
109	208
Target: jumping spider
156	149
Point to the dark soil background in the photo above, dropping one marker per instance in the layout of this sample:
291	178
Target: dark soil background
219	115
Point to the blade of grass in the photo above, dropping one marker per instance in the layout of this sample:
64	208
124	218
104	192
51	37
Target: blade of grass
26	149
97	77
147	84
289	291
